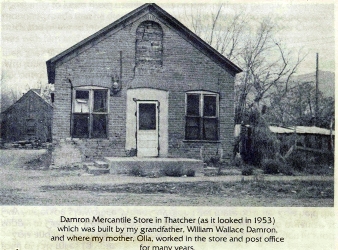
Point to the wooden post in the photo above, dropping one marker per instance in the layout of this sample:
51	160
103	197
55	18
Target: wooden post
317	93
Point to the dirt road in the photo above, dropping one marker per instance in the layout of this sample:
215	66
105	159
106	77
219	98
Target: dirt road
21	186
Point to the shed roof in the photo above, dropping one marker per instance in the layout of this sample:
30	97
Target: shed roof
301	130
280	130
312	130
167	18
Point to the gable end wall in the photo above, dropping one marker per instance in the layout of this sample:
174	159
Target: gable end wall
184	68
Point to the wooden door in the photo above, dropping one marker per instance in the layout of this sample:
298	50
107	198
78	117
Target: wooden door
147	129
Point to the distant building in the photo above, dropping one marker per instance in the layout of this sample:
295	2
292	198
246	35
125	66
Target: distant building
313	139
30	118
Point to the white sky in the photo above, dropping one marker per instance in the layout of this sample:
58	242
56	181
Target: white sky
32	33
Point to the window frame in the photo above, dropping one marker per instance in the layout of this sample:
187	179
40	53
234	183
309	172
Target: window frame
201	117
89	112
30	127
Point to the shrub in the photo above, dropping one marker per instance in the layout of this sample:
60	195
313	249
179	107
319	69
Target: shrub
191	173
317	169
298	161
285	169
136	171
213	161
271	166
247	170
173	170
261	142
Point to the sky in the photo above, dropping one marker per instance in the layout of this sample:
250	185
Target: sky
34	32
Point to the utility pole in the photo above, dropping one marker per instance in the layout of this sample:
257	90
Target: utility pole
317	93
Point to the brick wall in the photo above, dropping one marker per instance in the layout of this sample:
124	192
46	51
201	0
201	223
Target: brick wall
184	68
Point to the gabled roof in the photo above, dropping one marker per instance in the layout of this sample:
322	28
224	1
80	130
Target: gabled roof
149	7
35	92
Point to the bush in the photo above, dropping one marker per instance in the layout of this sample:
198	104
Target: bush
317	169
136	171
260	142
298	161
285	169
173	170
191	173
213	161
271	166
248	170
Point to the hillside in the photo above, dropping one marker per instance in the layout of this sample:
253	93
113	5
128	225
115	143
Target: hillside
326	81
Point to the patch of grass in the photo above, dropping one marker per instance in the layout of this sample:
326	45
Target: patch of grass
270	189
247	170
41	163
319	169
315	189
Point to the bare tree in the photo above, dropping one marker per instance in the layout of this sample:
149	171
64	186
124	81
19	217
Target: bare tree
267	66
253	45
8	95
218	28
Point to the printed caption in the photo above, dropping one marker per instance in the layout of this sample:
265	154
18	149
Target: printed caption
167	233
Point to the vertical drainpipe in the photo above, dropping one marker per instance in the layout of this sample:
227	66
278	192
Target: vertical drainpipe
71	107
121	69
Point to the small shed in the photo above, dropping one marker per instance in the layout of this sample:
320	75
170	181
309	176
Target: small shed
320	140
29	118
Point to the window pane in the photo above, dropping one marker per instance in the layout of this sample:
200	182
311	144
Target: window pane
81	104
192	130
193	105
80	126
31	130
147	116
100	101
210	129
82	94
210	107
99	126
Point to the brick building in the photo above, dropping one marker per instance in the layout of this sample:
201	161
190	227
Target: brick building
29	118
143	86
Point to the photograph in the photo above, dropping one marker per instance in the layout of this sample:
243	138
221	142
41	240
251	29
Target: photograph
175	104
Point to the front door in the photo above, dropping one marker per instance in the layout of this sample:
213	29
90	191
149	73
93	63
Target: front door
147	129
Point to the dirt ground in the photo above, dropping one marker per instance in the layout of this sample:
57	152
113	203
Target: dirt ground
21	185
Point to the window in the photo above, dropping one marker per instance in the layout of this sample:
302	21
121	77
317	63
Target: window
90	111
201	116
30	128
147	116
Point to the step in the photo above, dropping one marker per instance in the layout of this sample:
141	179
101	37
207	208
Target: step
87	164
122	165
101	164
97	171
